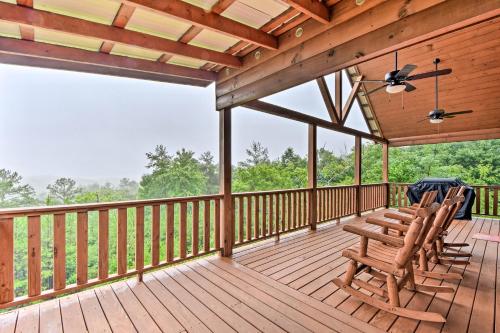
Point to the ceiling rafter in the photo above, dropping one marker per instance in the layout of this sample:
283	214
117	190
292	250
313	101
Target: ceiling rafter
41	19
27	53
208	20
312	8
350	99
120	21
25	3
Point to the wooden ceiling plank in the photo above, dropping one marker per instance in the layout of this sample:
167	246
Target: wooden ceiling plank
52	21
221	6
123	16
350	100
439	20
279	20
28	53
165	58
296	21
327	98
208	20
484	134
106	47
312	8
297	116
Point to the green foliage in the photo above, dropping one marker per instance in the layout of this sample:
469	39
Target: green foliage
64	190
12	192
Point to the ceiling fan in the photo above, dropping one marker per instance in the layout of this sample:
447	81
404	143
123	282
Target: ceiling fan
437	115
396	80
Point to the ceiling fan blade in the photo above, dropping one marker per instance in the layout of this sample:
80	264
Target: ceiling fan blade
420	121
376	89
407	69
429	74
409	87
381	81
448	114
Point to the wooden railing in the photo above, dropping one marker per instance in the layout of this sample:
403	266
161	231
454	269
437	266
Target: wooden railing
259	215
335	202
486	202
373	196
110	236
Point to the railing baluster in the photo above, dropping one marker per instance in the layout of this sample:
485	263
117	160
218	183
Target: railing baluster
195	226
495	201
283	212
34	256
271	214
478	200
206	225
121	249
183	230
264	215
249	218
299	209
289	210
139	238
170	232
6	260
59	251
486	201
155	235
217	223
103	244
256	228
82	241
240	219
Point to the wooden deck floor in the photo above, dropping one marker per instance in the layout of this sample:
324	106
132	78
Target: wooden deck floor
269	287
309	261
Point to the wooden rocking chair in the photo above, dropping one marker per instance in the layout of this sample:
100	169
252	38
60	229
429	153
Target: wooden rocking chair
432	247
390	258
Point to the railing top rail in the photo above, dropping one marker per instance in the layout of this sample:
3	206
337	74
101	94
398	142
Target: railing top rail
336	186
27	211
242	194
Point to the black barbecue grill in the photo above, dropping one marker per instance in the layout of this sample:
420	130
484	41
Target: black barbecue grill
442	185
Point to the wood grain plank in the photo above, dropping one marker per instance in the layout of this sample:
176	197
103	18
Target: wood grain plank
155	235
71	314
82	240
206	225
170	232
103	269
94	316
59	251
6	260
139	237
183	230
34	256
121	248
195	227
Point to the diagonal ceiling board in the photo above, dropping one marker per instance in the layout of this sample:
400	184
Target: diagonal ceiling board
312	8
327	98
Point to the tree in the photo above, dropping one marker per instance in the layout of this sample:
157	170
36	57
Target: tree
209	169
64	189
12	192
128	188
257	154
158	159
182	176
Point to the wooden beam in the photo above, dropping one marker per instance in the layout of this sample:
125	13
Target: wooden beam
46	20
438	20
297	116
357	172
327	98
27	33
221	6
350	100
312	8
312	143
338	95
123	16
26	53
279	20
225	167
484	134
25	3
190	34
385	163
207	20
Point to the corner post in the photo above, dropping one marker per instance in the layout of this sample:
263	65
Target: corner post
385	172
311	174
226	228
357	173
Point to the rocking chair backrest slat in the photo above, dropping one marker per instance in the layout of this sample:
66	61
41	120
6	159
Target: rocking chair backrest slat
449	219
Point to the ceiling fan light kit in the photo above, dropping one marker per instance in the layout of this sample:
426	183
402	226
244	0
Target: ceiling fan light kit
395	89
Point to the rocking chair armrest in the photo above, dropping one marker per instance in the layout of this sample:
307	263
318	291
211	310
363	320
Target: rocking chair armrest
400	217
407	210
387	224
394	241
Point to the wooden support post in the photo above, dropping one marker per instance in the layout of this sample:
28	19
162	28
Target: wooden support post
311	175
357	173
225	181
385	172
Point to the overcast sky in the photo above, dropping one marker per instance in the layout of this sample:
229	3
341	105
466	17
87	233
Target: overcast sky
85	126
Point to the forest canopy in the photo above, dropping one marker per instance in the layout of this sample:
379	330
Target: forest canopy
185	174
